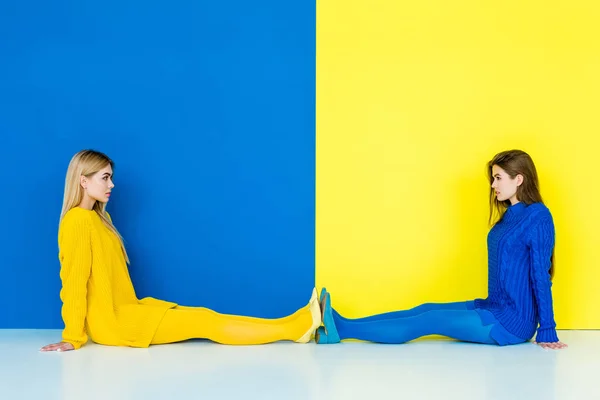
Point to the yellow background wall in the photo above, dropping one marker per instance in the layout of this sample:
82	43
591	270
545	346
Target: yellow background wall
413	98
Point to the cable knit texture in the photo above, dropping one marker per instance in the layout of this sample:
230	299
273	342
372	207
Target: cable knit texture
98	297
519	287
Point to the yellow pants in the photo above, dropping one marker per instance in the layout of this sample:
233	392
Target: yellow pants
183	323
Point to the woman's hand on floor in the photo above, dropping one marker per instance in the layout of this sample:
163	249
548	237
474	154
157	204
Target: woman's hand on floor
552	346
62	346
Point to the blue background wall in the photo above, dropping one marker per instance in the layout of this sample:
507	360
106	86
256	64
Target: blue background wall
206	107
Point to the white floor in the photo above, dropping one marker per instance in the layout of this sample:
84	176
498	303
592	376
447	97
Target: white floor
424	369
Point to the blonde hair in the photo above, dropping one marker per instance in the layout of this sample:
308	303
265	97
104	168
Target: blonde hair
87	163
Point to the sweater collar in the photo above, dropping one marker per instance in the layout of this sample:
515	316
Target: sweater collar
515	209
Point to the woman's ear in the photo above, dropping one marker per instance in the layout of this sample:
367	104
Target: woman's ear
520	179
83	181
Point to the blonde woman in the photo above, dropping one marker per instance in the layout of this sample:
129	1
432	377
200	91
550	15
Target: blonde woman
98	297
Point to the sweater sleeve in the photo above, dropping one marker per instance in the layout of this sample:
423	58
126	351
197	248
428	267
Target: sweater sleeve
541	247
76	261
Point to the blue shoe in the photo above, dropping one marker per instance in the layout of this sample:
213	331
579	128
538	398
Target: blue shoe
327	334
321	337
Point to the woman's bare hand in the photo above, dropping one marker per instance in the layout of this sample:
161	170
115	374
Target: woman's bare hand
552	345
62	346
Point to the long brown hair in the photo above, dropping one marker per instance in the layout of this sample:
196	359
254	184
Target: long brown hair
515	162
87	163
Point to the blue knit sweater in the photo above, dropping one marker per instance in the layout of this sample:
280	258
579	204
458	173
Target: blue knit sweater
519	287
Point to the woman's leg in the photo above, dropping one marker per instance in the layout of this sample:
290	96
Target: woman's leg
464	325
463	305
183	323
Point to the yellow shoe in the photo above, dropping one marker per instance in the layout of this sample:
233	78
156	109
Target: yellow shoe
315	311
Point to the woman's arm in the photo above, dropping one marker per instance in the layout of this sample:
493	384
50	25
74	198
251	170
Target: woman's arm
541	247
76	263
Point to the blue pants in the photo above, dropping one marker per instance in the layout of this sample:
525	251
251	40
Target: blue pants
455	320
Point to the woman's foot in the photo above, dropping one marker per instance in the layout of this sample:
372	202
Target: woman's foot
327	334
315	312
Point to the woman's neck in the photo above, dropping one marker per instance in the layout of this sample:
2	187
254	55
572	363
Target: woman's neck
88	203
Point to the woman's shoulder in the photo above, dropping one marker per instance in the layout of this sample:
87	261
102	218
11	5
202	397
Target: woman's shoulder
540	217
539	210
76	217
76	225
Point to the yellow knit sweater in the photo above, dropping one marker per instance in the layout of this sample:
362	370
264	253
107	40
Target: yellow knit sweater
97	293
